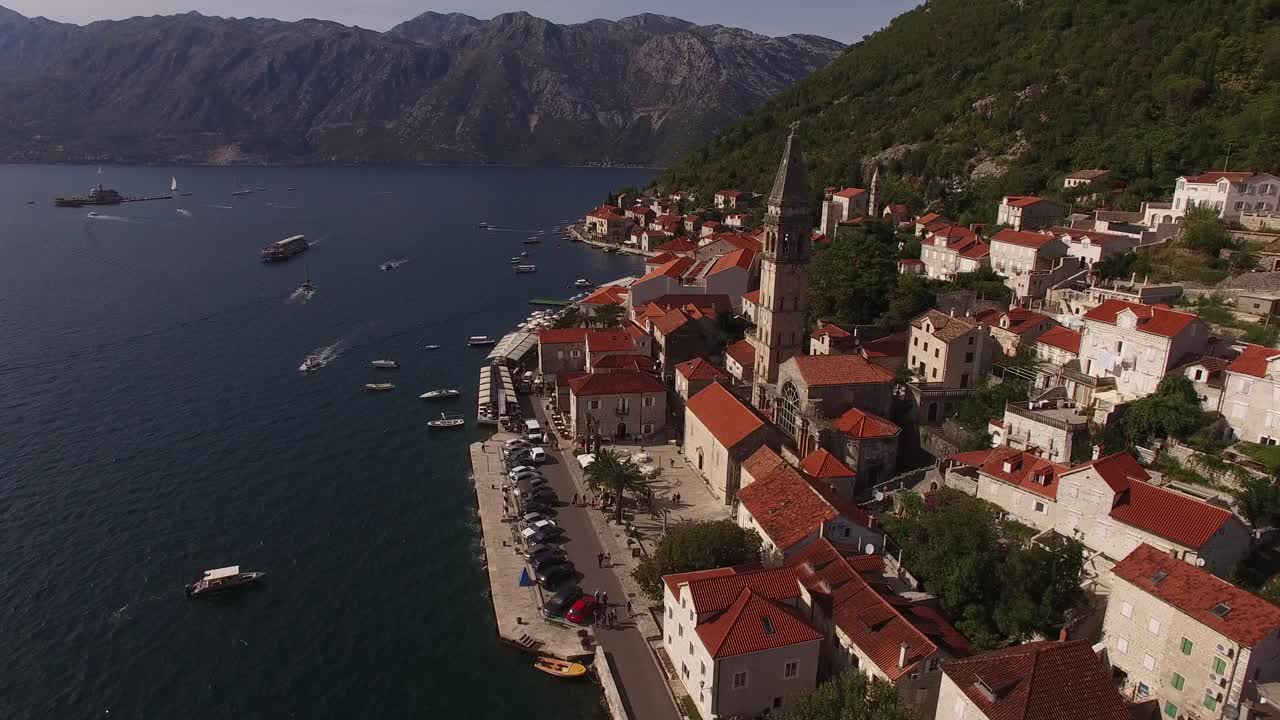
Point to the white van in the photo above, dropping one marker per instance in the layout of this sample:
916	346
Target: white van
533	431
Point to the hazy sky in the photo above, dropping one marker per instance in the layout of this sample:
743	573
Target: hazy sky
845	20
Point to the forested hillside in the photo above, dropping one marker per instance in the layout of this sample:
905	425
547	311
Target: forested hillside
961	100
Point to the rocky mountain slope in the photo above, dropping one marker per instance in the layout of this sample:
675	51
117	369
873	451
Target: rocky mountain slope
439	88
962	100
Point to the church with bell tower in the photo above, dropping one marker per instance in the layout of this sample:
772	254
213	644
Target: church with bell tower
784	266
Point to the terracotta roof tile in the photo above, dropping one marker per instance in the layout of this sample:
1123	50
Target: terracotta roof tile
715	594
1062	338
945	327
1022	238
786	506
973	458
607	295
1040	681
1253	360
849	193
560	336
709	304
752	297
743	353
619	382
673	269
674	581
1196	593
699	369
724	415
624	362
1153	319
763	463
660	259
889	346
858	424
1087	174
609	341
1095	237
1026	471
823	465
834	331
1213	177
821	370
740	259
752	624
1022	200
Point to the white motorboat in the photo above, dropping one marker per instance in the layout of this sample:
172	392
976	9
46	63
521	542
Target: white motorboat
379	387
439	394
385	364
526	268
307	284
480	341
312	363
387	266
222	579
516	260
582	282
94	215
430	347
447	421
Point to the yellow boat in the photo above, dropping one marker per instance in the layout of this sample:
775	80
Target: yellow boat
560	668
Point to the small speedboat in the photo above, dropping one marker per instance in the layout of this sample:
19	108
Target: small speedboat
94	215
532	241
221	580
582	282
516	260
484	226
441	393
430	347
526	268
379	387
524	253
560	668
447	421
480	340
385	364
313	362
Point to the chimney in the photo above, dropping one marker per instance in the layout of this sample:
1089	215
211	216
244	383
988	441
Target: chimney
953	311
1063	635
1097	451
1133	279
902	655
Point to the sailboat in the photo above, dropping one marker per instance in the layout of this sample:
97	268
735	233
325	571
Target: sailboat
307	285
173	188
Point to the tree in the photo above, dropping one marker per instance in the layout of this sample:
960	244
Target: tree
850	280
1271	590
851	696
615	474
1173	410
1259	501
608	316
1204	232
572	317
696	546
911	296
987	402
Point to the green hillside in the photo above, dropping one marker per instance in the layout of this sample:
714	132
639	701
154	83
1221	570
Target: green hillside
1036	88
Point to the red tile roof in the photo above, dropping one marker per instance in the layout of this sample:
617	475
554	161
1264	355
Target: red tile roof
752	297
1022	200
889	346
677	245
1062	338
624	362
858	424
610	341
1020	321
618	382
911	262
762	463
1153	319
1087	174
729	193
671	321
834	331
674	269
714	594
674	580
1040	681
560	336
820	370
1253	360
660	259
1023	238
738	240
740	259
724	415
977	250
699	369
823	465
945	327
1213	177
752	624
1171	515
1027	472
1095	237
607	295
708	304
896	209
931	217
973	458
786	506
849	193
743	353
1196	593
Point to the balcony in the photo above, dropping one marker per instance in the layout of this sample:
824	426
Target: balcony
1066	417
934	390
1071	371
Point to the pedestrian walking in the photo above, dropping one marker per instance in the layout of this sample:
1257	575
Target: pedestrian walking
629	613
604	598
575	499
613	618
608	560
599	559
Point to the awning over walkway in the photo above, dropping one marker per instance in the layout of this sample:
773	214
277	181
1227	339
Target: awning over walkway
513	347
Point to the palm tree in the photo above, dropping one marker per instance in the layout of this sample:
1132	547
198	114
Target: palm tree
609	316
616	474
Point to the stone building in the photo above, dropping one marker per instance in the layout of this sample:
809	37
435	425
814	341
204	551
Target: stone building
620	404
721	432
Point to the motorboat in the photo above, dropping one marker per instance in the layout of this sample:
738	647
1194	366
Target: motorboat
484	226
222	579
526	268
480	341
447	421
560	668
379	387
307	284
385	364
94	215
430	347
387	266
524	253
440	394
531	241
582	282
517	260
312	363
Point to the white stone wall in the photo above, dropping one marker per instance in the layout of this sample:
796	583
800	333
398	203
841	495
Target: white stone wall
1023	433
947	362
1251	406
1148	353
1027	507
954	704
1231	200
1009	259
641	414
705	454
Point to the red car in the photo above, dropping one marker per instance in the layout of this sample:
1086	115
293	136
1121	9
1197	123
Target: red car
582	610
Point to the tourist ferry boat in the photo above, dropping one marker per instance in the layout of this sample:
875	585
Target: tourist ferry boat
480	340
526	268
97	196
222	579
284	249
385	364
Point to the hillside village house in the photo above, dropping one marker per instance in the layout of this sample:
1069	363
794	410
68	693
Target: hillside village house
1020	483
869	626
740	360
930	222
948	350
602	343
1031	262
790	511
830	474
621	404
1029	213
1137	345
729	274
1033	681
1208	375
1080	178
721	432
1057	346
842	206
1198	645
562	351
737	640
1251	395
606	295
1230	193
682	334
736	220
1051	425
1093	246
732	199
692	376
1016	328
608	224
951	250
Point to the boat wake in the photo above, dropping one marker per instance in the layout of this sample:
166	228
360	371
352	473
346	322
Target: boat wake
301	296
281	207
325	355
222	207
112	218
184	213
395	263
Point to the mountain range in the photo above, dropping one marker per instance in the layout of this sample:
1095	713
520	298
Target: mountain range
440	88
960	101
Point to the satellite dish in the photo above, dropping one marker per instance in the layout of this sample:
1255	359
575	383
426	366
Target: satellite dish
879	496
871	549
1199	562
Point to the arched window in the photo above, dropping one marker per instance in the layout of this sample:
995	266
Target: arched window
788	409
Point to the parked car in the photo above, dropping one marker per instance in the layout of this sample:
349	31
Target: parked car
518	469
542	524
524	475
554	577
531	517
515	443
546	561
582	610
516	460
536	551
530	483
556	605
542	494
537	456
545	535
538	506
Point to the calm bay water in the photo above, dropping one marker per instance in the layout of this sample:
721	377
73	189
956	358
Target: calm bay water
153	424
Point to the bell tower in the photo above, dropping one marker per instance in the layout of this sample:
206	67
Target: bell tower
784	285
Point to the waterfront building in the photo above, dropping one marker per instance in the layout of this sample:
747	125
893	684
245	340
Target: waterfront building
620	404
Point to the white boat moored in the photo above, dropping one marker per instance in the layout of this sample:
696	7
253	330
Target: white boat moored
441	393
